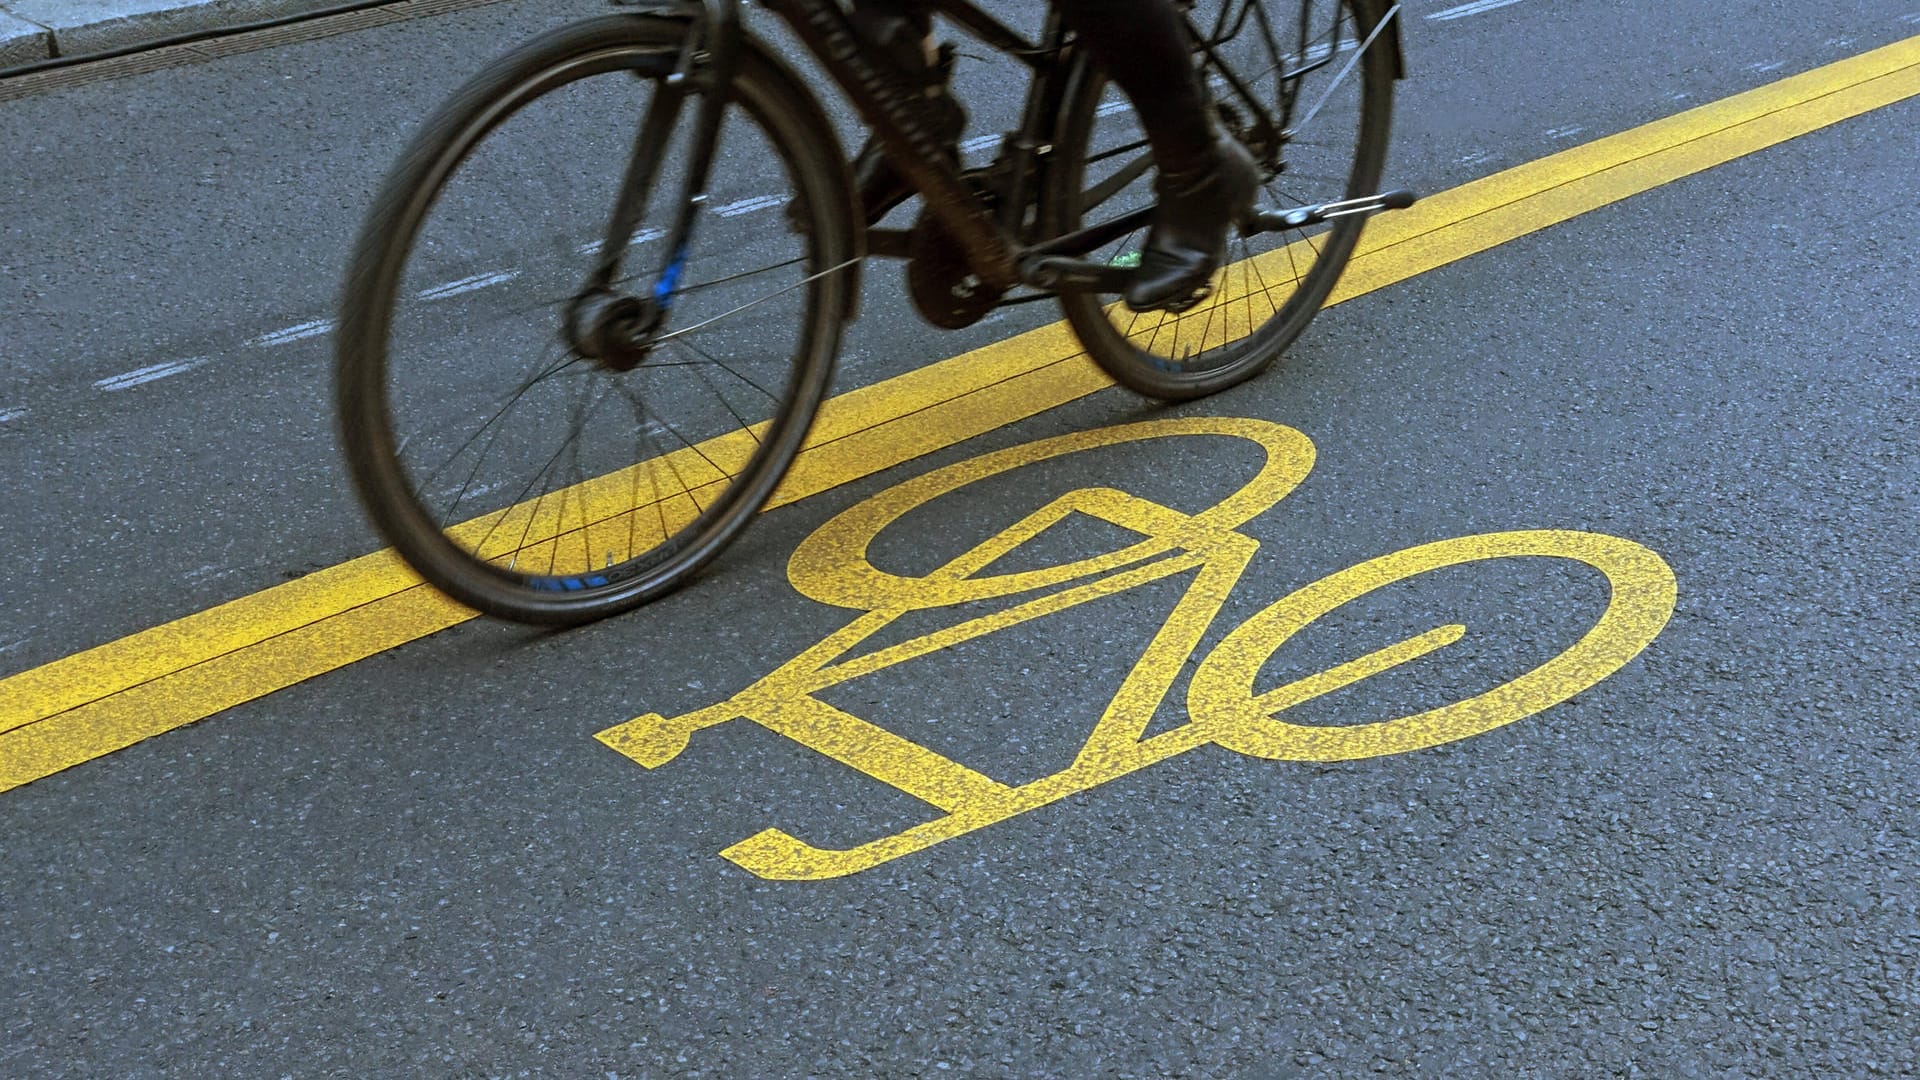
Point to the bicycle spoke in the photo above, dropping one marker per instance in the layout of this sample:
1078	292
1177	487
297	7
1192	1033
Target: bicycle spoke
646	452
745	425
751	304
712	361
512	399
691	289
1391	14
686	488
1112	185
533	512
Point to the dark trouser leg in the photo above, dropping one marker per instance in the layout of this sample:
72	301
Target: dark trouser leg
901	29
1205	180
1142	44
901	32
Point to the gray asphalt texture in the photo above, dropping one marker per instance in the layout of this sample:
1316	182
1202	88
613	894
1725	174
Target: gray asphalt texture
423	864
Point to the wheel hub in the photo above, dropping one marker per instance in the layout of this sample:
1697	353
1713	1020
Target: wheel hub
613	330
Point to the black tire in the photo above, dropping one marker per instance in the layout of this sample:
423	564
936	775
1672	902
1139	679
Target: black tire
715	420
1187	356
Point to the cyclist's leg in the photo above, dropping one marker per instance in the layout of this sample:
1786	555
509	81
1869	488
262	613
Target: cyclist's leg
901	31
1205	180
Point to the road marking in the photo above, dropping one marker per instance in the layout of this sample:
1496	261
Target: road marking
468	284
831	566
1465	10
643	236
319	327
748	206
12	413
292	334
151	373
94	702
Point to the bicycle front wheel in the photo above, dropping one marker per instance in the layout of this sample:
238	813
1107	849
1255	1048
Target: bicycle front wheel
1290	81
525	474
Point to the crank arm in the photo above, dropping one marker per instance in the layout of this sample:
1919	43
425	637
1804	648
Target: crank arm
1303	216
1056	274
890	243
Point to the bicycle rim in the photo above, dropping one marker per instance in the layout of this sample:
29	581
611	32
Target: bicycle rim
512	472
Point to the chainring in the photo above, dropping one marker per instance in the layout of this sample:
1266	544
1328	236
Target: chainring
944	288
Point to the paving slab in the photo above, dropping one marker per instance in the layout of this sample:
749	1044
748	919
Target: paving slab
22	42
89	26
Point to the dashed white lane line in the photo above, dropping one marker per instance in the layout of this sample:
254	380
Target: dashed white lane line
293	333
1475	8
748	206
468	284
317	327
644	236
151	373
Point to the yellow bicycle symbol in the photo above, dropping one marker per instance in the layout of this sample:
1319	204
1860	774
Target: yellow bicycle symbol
1223	705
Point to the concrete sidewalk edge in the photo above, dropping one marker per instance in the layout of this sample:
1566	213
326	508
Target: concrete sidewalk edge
32	30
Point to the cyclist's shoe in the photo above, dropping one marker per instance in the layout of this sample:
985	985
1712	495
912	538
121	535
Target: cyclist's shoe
882	185
1188	240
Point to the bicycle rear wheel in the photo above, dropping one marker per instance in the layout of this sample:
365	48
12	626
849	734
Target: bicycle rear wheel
1289	80
513	471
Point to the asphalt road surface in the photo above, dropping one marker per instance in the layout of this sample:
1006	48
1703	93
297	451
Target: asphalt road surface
1680	424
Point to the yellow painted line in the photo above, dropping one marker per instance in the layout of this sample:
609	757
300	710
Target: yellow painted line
106	698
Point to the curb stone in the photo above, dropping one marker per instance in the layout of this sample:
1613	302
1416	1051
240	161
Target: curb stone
37	29
22	42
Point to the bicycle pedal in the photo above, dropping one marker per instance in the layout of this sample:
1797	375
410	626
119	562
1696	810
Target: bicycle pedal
1300	217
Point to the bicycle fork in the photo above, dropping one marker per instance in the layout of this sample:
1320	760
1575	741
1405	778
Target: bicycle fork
618	330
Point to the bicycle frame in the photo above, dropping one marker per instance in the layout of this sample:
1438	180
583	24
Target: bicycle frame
900	117
995	244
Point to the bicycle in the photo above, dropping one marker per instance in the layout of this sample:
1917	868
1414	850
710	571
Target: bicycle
655	413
